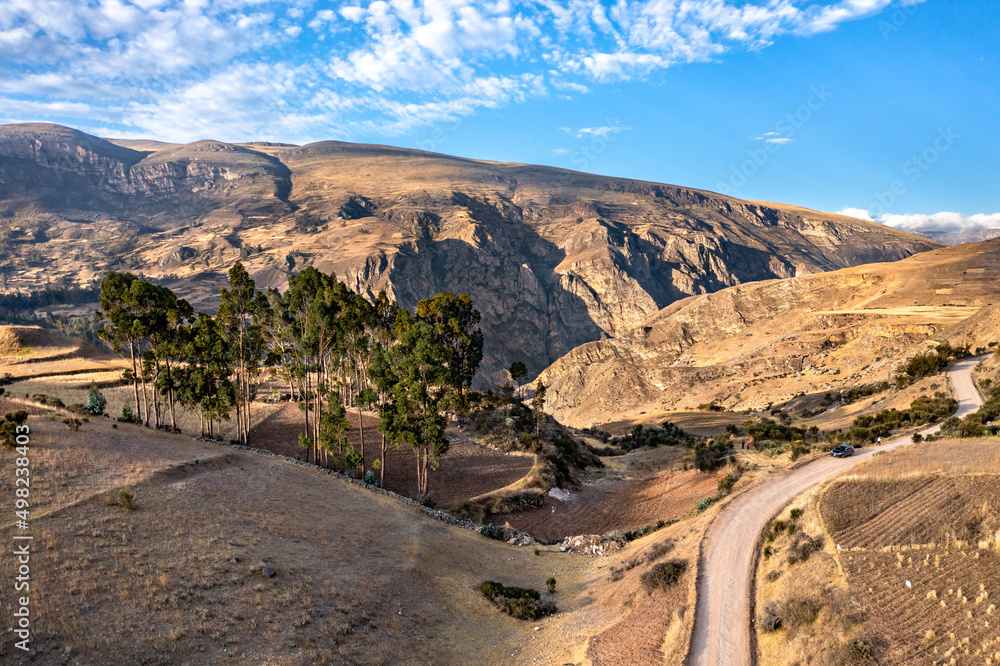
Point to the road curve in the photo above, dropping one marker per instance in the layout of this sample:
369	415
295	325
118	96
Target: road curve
722	617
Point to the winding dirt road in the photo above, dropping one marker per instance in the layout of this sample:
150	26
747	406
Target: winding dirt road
722	624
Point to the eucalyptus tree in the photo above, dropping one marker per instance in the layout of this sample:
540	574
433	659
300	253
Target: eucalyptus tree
118	314
205	378
538	404
455	323
242	314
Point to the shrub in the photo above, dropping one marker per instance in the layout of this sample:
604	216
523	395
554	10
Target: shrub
521	603
632	535
492	532
795	513
803	546
48	400
126	414
551	584
8	427
663	575
791	613
727	482
858	652
123	499
641	436
96	402
770	619
73	424
710	457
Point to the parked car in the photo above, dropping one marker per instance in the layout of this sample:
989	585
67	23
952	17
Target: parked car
842	451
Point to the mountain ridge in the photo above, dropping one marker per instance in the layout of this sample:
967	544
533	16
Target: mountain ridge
560	257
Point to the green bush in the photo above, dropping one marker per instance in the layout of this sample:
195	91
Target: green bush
96	402
727	482
8	427
709	457
48	400
492	532
126	414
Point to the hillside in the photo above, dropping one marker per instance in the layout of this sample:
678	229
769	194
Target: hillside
560	257
359	577
757	344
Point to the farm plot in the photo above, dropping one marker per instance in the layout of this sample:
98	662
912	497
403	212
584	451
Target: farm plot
922	558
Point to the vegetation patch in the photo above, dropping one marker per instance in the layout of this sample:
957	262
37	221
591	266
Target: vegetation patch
519	602
931	363
663	575
9	425
640	437
923	410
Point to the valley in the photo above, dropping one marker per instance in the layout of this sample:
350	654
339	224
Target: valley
335	455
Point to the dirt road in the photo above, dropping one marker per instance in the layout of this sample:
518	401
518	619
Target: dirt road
722	620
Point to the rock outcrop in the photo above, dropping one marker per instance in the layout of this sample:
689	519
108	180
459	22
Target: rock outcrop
751	345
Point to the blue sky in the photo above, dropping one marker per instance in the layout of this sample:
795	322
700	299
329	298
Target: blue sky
881	108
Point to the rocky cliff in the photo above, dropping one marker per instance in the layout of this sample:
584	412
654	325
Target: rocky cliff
748	346
552	258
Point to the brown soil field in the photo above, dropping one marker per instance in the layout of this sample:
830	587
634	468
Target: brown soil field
361	578
918	532
613	504
467	470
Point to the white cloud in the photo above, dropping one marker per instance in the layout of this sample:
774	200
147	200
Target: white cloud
944	221
606	130
390	65
859	213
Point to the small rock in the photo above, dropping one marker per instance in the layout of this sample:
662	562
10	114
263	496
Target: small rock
269	572
234	559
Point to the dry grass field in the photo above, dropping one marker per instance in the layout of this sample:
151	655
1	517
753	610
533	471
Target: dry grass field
913	537
361	578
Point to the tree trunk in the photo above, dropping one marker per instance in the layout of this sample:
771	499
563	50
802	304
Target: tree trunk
170	398
361	424
381	469
135	379
145	404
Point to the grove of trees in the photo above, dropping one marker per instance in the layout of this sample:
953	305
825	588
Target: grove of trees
333	350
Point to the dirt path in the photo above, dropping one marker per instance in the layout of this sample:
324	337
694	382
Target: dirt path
722	627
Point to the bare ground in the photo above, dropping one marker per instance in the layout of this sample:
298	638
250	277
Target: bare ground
466	471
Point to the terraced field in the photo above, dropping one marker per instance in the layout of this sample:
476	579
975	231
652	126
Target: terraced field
922	558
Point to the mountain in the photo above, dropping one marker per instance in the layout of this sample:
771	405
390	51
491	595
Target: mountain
552	258
949	238
748	346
